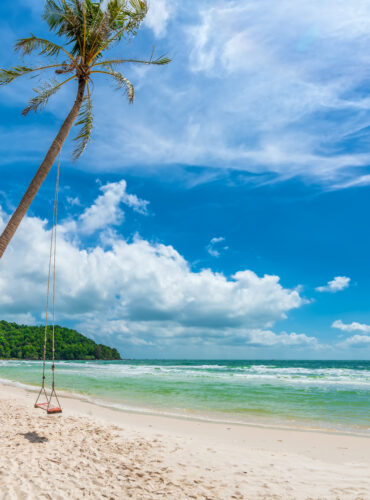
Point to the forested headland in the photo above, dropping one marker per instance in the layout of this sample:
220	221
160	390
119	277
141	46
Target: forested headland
27	342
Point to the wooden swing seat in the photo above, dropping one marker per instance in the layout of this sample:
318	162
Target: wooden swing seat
54	410
40	405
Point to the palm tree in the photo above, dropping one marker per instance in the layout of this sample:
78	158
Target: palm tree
88	29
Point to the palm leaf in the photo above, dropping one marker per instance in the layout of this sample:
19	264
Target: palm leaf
43	94
85	119
159	61
122	82
135	16
104	24
59	15
139	9
8	75
45	47
65	18
55	13
126	17
117	13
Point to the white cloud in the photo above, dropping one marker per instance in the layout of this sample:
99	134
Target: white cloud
106	210
73	201
362	180
338	284
351	327
213	248
160	11
361	340
165	334
269	338
357	341
140	291
21	319
263	91
254	98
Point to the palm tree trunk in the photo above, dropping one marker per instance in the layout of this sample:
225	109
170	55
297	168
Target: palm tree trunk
43	171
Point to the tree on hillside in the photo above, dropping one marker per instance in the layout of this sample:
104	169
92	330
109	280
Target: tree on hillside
88	29
27	342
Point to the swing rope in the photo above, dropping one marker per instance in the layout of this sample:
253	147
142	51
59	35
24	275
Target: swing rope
55	223
52	258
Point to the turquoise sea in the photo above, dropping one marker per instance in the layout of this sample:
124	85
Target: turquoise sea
315	394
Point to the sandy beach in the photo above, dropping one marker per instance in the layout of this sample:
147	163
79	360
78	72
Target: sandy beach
95	452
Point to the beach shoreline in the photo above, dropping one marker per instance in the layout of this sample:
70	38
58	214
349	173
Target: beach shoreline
197	416
314	396
199	459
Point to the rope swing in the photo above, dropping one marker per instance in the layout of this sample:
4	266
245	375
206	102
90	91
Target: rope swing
48	402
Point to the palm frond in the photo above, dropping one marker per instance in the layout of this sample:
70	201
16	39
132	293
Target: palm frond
85	30
139	9
122	82
106	23
128	16
43	94
134	15
98	32
159	61
59	14
64	17
85	119
45	47
116	11
8	75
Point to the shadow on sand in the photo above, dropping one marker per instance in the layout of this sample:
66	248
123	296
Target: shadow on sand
33	437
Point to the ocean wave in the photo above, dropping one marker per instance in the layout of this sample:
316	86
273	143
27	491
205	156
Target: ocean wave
230	419
220	373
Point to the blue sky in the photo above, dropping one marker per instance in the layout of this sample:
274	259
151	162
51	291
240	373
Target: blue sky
225	212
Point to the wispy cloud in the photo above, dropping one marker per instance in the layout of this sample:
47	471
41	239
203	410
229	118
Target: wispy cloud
275	110
275	88
351	327
362	180
356	341
361	340
338	284
213	247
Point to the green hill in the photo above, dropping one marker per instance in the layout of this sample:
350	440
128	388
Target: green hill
27	342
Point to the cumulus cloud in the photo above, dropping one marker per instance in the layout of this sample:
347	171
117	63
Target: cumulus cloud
361	340
269	338
338	284
20	318
164	334
160	11
140	291
351	327
106	210
356	341
213	248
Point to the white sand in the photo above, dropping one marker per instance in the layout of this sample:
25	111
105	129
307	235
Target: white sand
93	452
